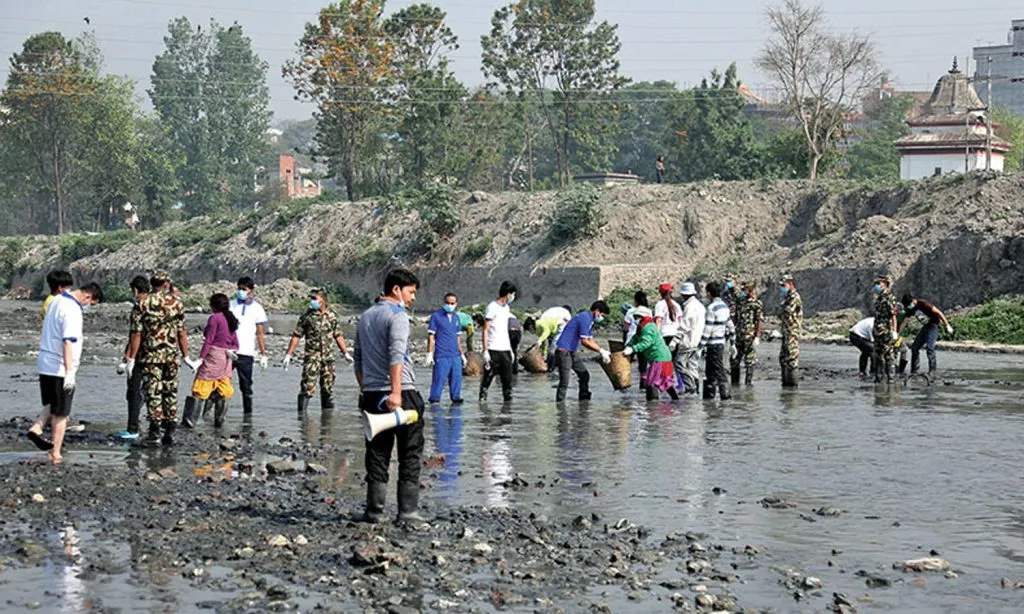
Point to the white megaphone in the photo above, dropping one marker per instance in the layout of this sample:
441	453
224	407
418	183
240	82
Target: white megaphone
375	423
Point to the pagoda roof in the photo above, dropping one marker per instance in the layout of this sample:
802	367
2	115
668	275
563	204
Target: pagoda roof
953	94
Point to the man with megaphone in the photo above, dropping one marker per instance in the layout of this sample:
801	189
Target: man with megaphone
392	408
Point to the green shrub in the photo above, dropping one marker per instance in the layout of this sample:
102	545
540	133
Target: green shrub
11	251
77	246
366	253
194	232
577	215
478	249
999	321
624	294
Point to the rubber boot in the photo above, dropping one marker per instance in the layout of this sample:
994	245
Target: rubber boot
652	393
734	374
723	392
749	380
220	410
788	377
303	403
793	382
709	389
188	415
207	409
153	436
672	394
246	405
376	494
326	401
903	366
168	438
409	502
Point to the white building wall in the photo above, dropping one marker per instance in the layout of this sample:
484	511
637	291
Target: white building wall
921	166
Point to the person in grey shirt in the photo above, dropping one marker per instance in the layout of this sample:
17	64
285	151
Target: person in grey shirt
384	372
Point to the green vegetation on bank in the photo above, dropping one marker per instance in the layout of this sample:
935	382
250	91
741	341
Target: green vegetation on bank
998	321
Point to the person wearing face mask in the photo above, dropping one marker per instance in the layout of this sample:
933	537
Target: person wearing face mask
579	331
647	342
931	318
498	359
718	334
886	329
252	320
691	330
791	316
444	351
140	290
384	372
320	327
748	316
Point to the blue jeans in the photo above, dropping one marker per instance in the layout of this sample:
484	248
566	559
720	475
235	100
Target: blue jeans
926	338
446	370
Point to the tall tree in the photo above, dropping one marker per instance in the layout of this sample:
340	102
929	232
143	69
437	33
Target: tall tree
209	89
550	53
650	112
346	66
822	74
1010	126
874	155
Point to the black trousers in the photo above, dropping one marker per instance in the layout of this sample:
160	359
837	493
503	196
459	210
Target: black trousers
569	362
714	365
243	366
136	398
515	337
409	440
867	352
501	366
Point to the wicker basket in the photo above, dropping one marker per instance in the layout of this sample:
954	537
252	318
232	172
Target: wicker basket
619	371
533	361
474	364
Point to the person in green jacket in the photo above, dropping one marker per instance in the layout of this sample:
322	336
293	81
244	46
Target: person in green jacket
648	342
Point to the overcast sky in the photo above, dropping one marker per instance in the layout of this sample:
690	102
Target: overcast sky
676	40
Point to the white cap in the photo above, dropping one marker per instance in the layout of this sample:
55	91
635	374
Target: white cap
688	289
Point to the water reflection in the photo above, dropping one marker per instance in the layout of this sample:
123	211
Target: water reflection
447	429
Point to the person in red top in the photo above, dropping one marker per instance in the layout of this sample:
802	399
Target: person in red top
931	317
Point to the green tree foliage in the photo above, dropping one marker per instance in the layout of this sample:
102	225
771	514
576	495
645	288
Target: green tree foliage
209	89
873	156
578	214
551	54
346	66
1010	126
651	112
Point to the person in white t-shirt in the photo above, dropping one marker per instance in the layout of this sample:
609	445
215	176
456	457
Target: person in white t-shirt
862	337
498	358
252	320
667	314
60	353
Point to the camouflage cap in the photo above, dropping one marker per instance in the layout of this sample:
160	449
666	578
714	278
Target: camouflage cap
883	277
748	284
786	277
160	276
731	276
316	292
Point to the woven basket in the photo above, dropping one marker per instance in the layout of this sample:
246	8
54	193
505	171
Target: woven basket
474	365
532	360
619	371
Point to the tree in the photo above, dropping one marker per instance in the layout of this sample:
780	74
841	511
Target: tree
720	143
209	89
345	65
821	74
874	155
550	53
650	114
1010	126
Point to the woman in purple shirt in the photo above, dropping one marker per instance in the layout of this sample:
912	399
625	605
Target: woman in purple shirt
213	377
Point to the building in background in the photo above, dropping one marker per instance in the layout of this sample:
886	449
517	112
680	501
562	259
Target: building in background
1007	70
950	136
296	182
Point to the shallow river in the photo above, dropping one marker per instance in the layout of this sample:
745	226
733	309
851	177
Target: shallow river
914	469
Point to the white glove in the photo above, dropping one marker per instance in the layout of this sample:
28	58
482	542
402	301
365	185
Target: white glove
949	329
263	362
286	361
232	355
733	352
757	341
129	366
627	352
192	364
606	356
673	345
895	335
349	357
69	381
487	360
429	362
463	357
121	366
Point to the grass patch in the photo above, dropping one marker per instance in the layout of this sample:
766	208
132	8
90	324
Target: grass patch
998	321
478	249
11	251
578	214
367	253
77	246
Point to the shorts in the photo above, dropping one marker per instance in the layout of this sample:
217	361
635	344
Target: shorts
204	388
51	390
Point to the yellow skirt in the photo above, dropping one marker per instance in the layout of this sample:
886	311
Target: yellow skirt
204	388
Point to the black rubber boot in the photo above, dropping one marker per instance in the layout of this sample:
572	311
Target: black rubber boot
153	436
734	374
326	401
903	366
709	389
168	438
220	410
188	415
723	392
749	380
672	394
246	405
207	409
792	371
376	494
409	503
652	393
303	403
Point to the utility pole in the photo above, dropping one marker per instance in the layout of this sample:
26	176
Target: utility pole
988	119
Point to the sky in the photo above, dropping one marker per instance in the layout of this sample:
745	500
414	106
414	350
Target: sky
673	40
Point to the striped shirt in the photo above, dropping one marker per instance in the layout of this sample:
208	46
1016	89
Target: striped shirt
718	325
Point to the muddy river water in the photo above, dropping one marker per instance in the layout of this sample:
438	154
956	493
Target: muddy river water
913	469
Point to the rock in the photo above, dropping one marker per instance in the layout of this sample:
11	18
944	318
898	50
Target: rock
300	540
951	575
280	467
38	498
776	503
827	510
278	541
440	560
812	583
364	554
167	473
705	600
580	522
315	468
479	196
922	564
874	580
227	445
696	566
482	548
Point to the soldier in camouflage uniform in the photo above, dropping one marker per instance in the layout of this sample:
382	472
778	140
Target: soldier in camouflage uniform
749	315
730	296
791	315
320	327
885	330
159	332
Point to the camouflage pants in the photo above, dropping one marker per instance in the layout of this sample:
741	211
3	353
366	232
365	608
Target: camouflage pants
161	391
789	353
746	353
885	348
316	370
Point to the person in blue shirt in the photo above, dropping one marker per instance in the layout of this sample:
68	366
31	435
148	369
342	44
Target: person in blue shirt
444	350
579	331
